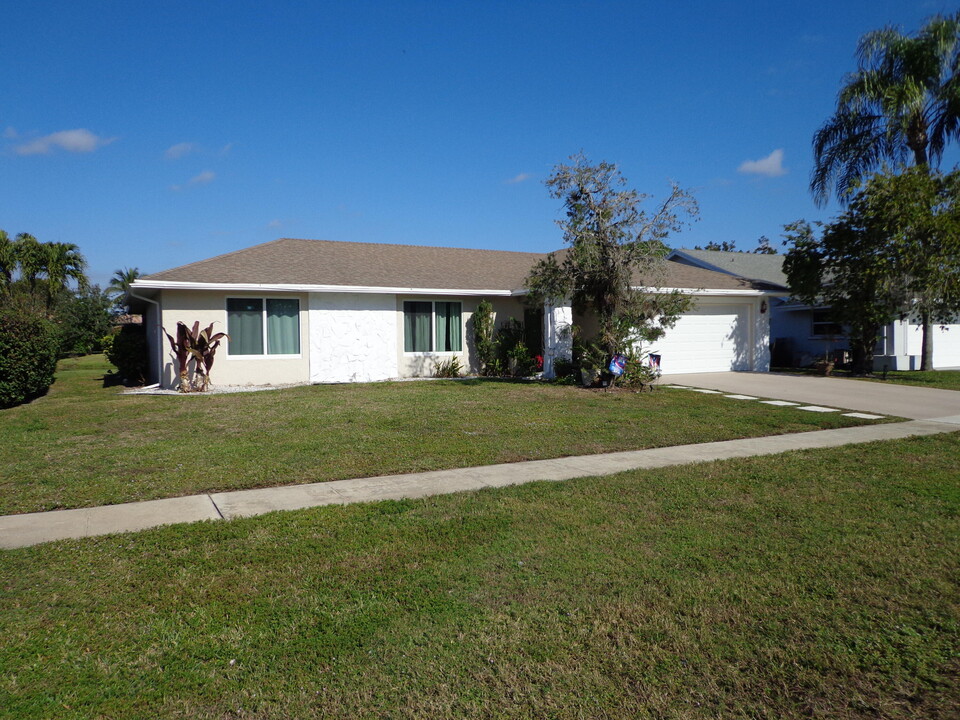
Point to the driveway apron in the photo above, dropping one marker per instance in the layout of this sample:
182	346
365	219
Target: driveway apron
917	403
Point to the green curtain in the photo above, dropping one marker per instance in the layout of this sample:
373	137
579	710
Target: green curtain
283	327
449	327
416	326
245	326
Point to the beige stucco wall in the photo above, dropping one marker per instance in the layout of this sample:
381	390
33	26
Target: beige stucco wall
189	306
423	364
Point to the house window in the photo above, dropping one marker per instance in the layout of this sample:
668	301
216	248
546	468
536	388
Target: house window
823	326
432	326
257	323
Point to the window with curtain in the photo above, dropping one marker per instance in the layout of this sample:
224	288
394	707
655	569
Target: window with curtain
416	326
448	326
283	327
432	326
254	324
245	326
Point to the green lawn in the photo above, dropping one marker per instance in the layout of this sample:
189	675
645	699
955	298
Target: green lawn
942	379
84	444
821	584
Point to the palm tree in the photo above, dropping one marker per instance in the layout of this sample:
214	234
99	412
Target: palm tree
902	104
8	260
62	263
31	258
120	283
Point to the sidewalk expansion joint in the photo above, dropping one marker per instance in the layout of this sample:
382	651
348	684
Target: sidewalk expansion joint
213	502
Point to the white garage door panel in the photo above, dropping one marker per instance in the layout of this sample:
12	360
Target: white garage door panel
946	344
709	339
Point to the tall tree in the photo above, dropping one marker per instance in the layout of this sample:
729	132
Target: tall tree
63	263
764	247
901	104
31	258
724	246
919	211
8	261
120	284
612	242
895	252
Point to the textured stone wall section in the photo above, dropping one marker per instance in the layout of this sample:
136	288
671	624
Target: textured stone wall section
353	337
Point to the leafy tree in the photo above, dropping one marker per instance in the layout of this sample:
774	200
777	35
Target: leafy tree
902	102
843	269
764	247
894	252
919	212
613	246
120	285
8	261
84	317
719	246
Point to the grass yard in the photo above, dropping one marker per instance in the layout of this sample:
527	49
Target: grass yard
941	379
84	444
821	584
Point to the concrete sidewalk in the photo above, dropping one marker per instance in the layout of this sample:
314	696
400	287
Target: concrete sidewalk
34	528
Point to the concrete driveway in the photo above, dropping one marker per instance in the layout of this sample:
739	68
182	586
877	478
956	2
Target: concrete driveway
917	403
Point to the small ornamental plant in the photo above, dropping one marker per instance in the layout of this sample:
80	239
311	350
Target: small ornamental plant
197	345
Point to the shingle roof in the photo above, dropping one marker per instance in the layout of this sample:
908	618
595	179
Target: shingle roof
323	262
753	266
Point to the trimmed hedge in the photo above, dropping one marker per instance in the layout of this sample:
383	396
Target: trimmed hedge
29	346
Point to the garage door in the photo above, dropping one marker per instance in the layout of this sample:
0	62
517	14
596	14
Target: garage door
713	338
946	344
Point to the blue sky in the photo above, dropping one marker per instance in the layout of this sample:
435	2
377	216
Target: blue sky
153	134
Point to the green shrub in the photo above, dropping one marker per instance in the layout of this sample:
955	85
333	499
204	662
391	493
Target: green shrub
563	368
450	368
29	345
483	337
84	318
128	352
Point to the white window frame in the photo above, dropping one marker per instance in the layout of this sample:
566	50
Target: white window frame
263	327
433	329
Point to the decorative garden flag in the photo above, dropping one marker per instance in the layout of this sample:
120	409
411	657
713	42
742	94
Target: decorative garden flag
617	364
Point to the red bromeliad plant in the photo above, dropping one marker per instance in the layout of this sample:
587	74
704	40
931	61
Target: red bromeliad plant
198	345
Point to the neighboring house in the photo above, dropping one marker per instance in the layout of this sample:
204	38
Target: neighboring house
801	333
321	311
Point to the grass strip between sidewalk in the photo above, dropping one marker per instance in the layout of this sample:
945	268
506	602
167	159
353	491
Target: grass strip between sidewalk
811	584
85	444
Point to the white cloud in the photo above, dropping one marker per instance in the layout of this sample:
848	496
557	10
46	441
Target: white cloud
180	149
78	141
10	133
225	150
518	179
770	166
274	224
203	178
207	176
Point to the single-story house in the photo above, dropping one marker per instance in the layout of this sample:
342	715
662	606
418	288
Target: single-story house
320	311
801	333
